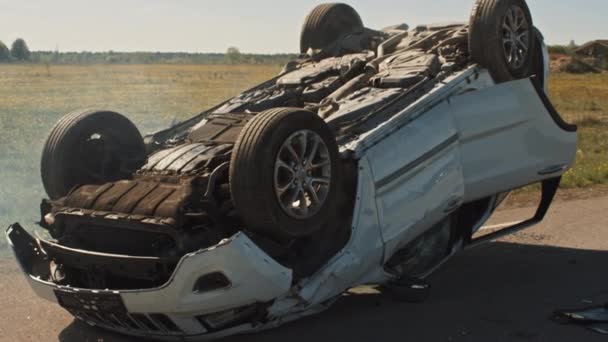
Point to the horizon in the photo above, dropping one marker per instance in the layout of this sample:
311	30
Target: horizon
263	27
161	52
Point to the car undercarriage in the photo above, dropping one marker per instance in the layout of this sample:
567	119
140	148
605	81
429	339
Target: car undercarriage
179	201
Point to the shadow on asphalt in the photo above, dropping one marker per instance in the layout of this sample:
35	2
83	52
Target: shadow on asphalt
498	292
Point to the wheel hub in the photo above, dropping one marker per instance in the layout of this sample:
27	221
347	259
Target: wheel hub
302	174
515	37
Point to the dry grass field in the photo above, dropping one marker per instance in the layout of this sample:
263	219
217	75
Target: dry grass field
33	97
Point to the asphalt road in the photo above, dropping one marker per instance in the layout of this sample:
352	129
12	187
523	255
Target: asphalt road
503	291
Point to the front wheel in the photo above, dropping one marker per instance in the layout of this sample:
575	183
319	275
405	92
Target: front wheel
284	173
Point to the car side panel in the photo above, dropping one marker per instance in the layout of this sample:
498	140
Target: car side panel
510	138
418	176
359	262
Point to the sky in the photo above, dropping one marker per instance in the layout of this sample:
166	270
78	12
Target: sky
254	26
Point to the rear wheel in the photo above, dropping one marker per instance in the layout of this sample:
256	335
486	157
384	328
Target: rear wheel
327	23
284	172
90	147
501	38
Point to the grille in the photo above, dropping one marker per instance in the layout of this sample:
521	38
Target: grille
132	322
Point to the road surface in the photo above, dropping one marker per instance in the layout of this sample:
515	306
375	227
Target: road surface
503	291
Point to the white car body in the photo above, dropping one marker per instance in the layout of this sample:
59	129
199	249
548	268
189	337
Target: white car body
465	140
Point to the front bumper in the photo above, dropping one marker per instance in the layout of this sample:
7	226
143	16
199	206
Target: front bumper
175	309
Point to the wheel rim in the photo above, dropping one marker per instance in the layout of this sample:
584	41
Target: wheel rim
515	37
102	160
302	174
95	154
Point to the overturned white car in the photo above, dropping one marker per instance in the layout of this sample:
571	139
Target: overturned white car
371	159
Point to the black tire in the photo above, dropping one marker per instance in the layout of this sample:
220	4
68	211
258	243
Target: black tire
327	23
486	45
253	177
90	147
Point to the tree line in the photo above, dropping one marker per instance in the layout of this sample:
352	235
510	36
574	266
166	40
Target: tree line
20	53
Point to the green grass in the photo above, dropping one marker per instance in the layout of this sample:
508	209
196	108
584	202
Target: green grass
34	97
583	100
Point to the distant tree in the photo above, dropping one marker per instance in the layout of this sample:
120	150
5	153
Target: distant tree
233	55
57	57
5	54
20	51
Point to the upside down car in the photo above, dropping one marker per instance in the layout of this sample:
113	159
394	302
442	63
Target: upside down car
372	158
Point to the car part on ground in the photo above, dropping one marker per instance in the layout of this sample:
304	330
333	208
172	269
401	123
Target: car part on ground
372	159
594	318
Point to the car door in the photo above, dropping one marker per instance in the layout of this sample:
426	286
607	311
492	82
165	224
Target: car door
510	136
418	176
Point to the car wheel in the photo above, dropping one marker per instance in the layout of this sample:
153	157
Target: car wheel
90	147
501	38
283	173
326	24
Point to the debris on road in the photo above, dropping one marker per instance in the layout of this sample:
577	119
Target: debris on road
594	318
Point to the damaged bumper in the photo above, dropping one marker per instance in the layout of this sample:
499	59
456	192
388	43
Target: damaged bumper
211	292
